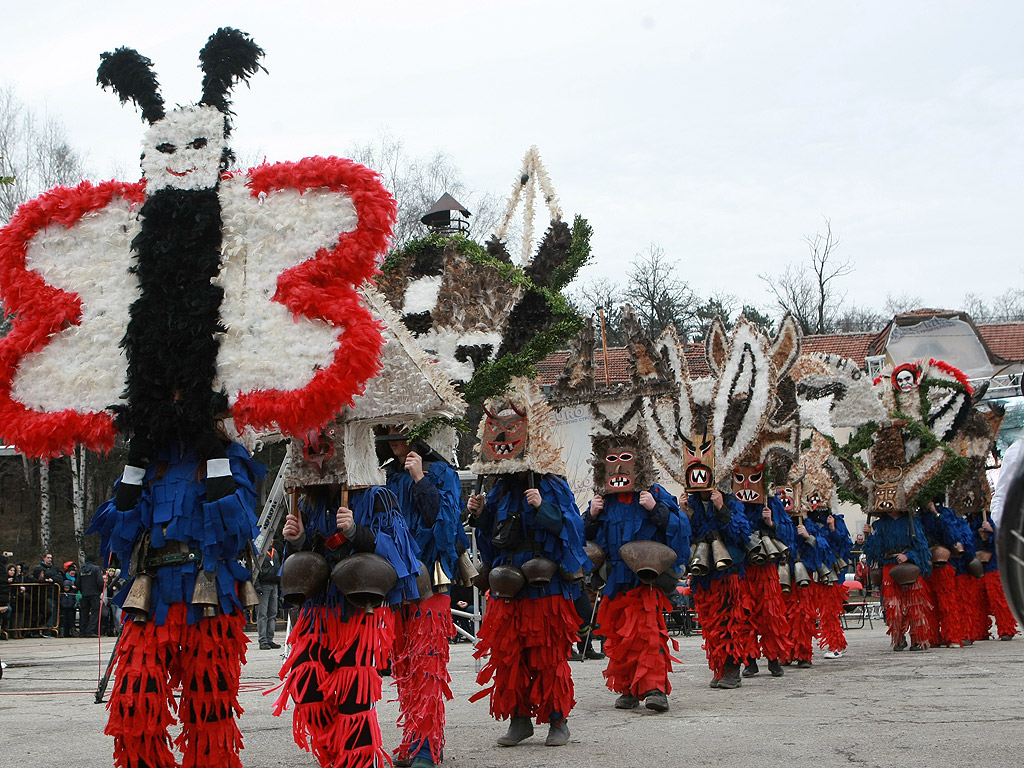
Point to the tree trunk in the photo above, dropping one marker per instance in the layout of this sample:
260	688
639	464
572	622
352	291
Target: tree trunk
78	497
44	504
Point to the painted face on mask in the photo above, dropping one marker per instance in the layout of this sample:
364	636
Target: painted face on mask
620	470
748	484
504	435
814	501
905	377
787	494
886	496
184	150
699	460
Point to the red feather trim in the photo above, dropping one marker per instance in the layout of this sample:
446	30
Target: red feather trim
724	612
768	615
636	642
324	287
205	659
527	644
996	605
39	311
802	609
953	371
907	609
420	670
831	598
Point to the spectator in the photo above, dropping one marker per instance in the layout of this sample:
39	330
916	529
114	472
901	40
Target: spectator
6	585
67	609
863	573
90	587
112	611
268	583
49	574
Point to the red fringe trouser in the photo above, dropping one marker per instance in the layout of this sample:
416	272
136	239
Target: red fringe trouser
949	623
768	613
636	643
803	607
205	659
527	643
420	670
993	603
831	598
331	675
971	591
907	609
723	609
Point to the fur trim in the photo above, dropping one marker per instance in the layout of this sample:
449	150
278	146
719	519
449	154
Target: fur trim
130	75
229	57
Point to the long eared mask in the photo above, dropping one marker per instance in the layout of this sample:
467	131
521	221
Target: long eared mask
748	484
504	434
620	469
699	463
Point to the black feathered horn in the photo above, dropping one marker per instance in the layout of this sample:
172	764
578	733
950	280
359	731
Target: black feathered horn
130	75
229	57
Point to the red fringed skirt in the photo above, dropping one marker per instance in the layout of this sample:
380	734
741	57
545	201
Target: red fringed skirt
419	667
831	598
527	643
724	610
803	607
636	643
907	609
950	622
971	591
768	612
205	659
331	675
994	602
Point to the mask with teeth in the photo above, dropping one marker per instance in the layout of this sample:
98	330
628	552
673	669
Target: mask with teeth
789	496
620	470
504	435
748	484
699	460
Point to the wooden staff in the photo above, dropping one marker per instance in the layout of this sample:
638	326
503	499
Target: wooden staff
604	346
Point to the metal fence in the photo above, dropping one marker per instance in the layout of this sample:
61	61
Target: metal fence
33	609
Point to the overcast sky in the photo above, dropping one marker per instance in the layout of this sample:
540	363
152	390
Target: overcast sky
724	132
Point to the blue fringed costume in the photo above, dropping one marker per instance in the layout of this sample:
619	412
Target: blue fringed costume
176	533
632	615
331	672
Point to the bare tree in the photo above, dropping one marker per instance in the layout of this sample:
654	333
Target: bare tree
601	295
34	154
812	298
854	319
659	297
898	303
418	182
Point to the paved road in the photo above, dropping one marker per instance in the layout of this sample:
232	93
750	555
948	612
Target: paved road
873	707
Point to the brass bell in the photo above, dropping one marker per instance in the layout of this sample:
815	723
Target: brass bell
467	569
303	575
755	553
139	599
905	574
771	552
785	578
506	581
205	593
538	571
841	565
782	547
976	568
440	579
800	574
720	555
365	578
647	559
596	555
876	577
248	595
700	563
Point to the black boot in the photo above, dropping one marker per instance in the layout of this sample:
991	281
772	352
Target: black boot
656	700
775	668
751	668
558	734
520	728
731	677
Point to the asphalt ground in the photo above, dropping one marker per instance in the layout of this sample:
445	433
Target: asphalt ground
872	707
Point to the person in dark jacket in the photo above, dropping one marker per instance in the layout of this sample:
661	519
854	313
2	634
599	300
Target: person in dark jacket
90	587
268	586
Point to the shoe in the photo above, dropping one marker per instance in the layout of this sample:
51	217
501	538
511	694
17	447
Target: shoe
265	647
731	678
558	734
656	700
833	654
592	653
274	645
967	643
751	669
520	728
1006	637
627	701
775	668
900	646
402	762
575	656
917	647
421	762
715	682
803	664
